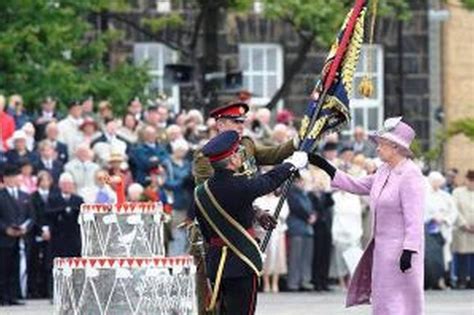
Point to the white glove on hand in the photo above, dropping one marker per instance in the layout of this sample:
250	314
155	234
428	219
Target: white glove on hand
296	142
299	159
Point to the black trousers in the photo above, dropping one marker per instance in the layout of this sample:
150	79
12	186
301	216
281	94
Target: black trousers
40	264
321	254
239	295
9	273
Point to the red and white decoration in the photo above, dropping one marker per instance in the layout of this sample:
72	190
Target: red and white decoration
125	230
128	286
123	269
134	262
126	207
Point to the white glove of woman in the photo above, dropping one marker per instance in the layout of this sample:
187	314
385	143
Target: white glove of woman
298	159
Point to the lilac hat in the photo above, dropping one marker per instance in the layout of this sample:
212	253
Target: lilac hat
396	131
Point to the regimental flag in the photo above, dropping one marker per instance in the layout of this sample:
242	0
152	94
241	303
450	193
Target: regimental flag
329	108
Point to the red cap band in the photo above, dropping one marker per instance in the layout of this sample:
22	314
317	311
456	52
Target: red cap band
225	154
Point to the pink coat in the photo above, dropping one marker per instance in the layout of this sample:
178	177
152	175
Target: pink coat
396	201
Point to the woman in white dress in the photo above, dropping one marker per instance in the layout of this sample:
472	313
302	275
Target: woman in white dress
346	236
275	263
440	216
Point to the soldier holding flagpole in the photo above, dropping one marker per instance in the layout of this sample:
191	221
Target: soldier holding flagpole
225	213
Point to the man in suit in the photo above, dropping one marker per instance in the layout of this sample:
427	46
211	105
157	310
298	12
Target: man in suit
52	133
15	222
63	213
226	217
148	155
47	115
322	203
47	160
108	141
361	144
40	261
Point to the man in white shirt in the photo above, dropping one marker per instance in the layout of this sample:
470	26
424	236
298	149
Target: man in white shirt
82	168
69	126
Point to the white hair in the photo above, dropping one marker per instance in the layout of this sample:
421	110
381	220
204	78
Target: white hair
436	177
135	188
66	178
28	128
196	115
179	144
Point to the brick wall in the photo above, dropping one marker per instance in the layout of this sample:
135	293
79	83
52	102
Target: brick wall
458	83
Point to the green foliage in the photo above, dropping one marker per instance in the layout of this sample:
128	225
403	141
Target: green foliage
462	126
323	18
432	155
240	5
48	48
469	4
318	18
173	20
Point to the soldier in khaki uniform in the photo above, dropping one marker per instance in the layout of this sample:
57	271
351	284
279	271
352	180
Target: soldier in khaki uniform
232	117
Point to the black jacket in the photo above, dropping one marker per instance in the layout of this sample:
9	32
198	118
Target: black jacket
41	209
65	231
61	149
13	212
236	194
55	171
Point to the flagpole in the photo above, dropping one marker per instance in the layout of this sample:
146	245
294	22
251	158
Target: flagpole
328	81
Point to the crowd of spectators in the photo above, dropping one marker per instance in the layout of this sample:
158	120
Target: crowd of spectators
52	162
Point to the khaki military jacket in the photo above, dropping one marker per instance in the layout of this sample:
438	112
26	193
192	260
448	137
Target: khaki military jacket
253	155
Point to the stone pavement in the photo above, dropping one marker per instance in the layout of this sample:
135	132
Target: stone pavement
437	303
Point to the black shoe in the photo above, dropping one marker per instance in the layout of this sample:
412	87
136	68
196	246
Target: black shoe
326	288
461	285
16	302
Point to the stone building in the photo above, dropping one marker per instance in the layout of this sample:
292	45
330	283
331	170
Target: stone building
458	83
265	49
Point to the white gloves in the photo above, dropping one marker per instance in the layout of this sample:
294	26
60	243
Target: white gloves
296	142
299	159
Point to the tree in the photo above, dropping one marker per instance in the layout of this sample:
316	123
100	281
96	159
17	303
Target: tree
463	126
469	4
192	32
317	22
51	48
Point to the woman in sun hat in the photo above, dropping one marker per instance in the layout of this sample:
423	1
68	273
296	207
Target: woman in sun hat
118	166
390	273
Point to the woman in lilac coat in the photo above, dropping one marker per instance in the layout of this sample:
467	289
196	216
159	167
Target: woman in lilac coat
390	273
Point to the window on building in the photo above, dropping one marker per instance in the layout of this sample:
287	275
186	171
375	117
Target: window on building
368	112
262	69
258	6
163	6
156	56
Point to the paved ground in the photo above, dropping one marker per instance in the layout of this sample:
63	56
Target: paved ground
437	303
